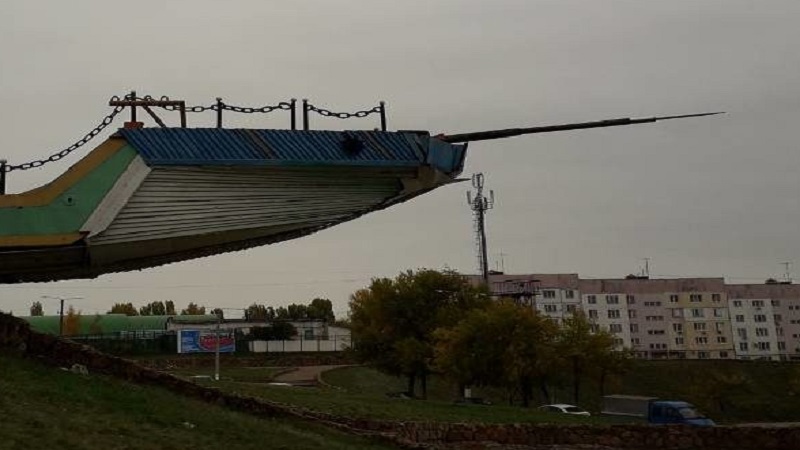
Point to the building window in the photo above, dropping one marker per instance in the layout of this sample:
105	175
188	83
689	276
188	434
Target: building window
673	298
679	341
594	328
762	345
593	314
702	355
716	298
694	298
699	326
723	354
634	328
720	327
571	308
618	342
635	341
677	327
776	303
779	331
721	339
719	312
615	328
758	303
591	299
737	303
550	308
739	318
702	340
742	332
781	345
630	299
655	332
697	312
762	332
612	299
743	346
760	318
677	313
569	293
549	294
613	314
777	317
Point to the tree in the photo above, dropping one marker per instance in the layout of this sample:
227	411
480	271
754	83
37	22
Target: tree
321	309
36	309
124	308
72	322
582	348
193	310
503	344
393	320
154	309
169	306
256	312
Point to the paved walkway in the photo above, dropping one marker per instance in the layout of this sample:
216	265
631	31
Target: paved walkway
304	375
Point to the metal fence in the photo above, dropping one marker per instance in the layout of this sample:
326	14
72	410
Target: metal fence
166	343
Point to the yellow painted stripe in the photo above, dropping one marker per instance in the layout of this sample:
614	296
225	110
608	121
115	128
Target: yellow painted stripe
42	240
43	195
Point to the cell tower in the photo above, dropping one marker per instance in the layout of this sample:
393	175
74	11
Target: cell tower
479	205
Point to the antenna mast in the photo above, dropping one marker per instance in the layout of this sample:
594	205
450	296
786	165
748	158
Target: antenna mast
787	275
479	205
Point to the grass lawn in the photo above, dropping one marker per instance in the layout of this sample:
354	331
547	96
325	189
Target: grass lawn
42	408
379	406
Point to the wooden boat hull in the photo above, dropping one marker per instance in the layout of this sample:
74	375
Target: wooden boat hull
145	199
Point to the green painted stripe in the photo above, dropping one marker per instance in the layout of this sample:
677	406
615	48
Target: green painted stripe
70	210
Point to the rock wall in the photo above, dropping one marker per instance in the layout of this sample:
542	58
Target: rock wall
16	336
274	360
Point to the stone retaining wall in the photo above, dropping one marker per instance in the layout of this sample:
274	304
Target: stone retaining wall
15	335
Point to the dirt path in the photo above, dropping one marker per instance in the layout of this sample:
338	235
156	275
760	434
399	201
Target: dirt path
305	375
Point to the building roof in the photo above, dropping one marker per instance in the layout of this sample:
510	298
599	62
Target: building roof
221	146
110	323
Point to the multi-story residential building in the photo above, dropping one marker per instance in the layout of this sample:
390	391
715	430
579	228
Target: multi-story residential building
697	318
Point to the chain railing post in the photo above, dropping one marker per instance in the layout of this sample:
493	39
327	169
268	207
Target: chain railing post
219	112
293	104
382	108
3	176
305	114
133	108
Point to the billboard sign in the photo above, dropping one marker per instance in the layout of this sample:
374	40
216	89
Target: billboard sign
205	341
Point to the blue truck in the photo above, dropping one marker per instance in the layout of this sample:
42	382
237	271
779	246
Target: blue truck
654	410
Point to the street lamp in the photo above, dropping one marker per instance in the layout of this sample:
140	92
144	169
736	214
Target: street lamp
219	312
61	310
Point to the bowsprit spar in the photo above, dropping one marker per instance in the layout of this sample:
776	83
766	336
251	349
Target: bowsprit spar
151	196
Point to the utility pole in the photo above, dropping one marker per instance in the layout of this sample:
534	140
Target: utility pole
479	205
61	310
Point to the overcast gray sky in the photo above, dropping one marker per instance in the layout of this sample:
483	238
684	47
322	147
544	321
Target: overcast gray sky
703	197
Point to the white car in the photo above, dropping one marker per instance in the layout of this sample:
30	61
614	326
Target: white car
562	408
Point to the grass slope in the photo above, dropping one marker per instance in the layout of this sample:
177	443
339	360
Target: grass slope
762	395
42	407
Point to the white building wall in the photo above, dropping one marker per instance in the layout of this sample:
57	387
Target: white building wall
751	319
610	313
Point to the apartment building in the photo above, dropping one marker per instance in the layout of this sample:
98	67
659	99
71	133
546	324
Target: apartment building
696	318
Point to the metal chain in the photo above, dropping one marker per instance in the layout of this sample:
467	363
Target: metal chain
61	154
343	115
240	109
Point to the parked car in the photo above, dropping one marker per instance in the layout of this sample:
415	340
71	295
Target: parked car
562	408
